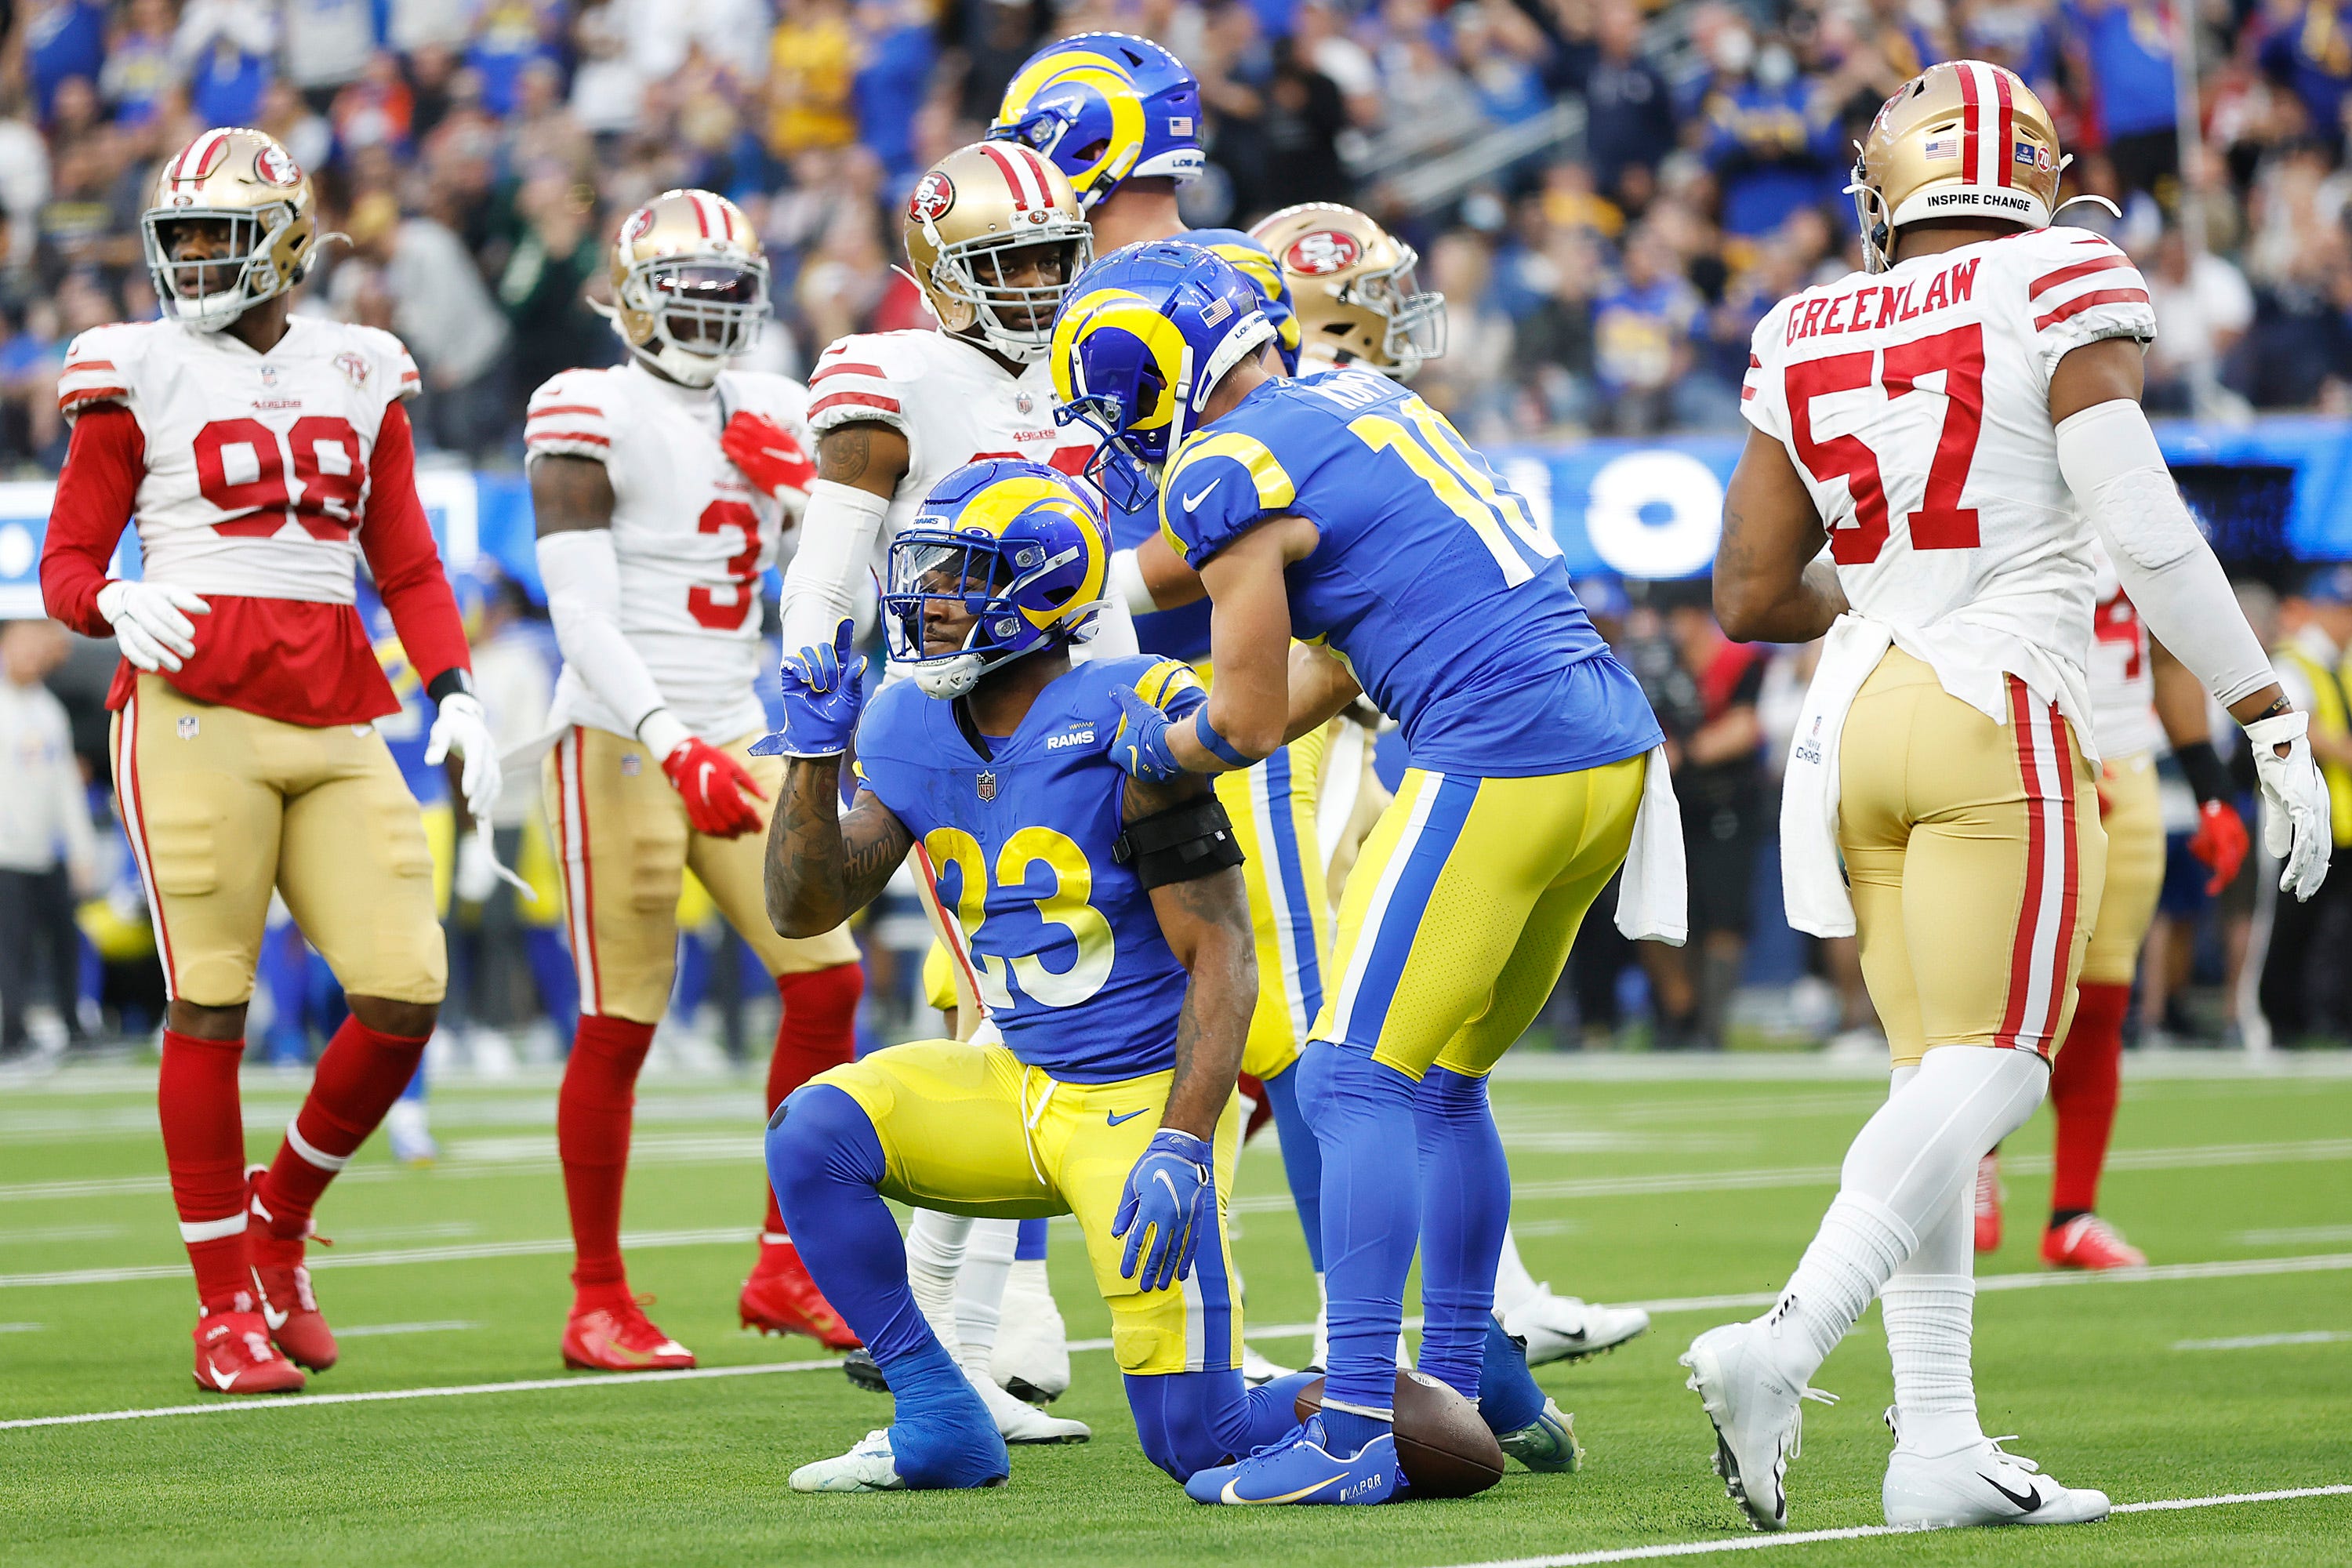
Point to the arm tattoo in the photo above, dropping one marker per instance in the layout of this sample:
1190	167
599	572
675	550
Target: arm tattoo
1207	922
568	494
843	454
821	869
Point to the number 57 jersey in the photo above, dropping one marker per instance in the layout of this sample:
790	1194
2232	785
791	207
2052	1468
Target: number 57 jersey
1915	404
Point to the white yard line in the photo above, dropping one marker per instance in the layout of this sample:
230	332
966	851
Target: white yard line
21	1328
380	1330
2263	1341
1864	1531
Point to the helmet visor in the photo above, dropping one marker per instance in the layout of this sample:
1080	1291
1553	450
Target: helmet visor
713	308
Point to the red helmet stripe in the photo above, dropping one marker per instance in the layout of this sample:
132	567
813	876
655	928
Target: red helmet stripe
2005	152
1971	123
198	154
727	208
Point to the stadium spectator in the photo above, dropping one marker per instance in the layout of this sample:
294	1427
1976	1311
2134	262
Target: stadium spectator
2304	987
2203	306
2128	46
1630	114
49	853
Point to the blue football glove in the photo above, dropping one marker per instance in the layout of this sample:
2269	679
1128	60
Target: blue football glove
1140	746
822	693
1170	1191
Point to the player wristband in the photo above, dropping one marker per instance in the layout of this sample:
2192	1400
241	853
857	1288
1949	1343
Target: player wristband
2206	775
450	682
1216	745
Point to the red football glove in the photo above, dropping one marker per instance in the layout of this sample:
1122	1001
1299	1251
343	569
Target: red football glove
770	457
713	785
2221	842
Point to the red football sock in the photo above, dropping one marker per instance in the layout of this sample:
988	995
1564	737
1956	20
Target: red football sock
2084	1082
819	1030
204	1146
591	1137
360	1074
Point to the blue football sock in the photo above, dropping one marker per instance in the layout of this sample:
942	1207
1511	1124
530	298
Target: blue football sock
1362	1116
826	1164
1465	1204
1302	1158
1507	1396
1189	1421
1030	1246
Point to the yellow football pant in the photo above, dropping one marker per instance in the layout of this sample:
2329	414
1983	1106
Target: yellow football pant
969	1130
2134	820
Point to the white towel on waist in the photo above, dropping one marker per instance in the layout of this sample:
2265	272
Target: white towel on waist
1653	891
1812	877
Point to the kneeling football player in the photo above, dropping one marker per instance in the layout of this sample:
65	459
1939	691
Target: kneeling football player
1109	937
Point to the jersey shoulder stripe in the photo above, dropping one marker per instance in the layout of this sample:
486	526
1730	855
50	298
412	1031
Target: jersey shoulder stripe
2079	289
868	378
569	416
101	365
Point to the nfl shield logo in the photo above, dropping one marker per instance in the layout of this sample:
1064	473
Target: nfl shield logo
986	784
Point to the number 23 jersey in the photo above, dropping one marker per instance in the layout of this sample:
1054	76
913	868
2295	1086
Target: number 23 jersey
1914	405
690	534
1018	837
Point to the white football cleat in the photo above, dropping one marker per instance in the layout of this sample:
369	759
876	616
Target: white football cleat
1018	1421
1978	1483
1569	1328
1031	1359
867	1468
410	1135
1548	1444
1256	1371
1758	1415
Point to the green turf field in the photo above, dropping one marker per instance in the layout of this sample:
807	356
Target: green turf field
2229	1371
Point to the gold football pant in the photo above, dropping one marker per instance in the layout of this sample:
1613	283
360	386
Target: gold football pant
969	1130
2134	820
220	805
624	845
1976	858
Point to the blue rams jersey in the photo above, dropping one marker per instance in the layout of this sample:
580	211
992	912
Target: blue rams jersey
1184	633
1065	945
406	732
1433	578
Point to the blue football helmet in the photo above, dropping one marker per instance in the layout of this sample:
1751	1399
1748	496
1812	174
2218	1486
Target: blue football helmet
1020	546
1106	107
1144	336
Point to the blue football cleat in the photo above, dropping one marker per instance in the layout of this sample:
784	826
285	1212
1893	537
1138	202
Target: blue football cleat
1301	1470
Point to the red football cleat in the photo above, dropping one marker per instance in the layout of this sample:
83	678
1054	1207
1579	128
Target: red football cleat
610	1332
233	1357
781	1299
1989	1203
2087	1241
287	1304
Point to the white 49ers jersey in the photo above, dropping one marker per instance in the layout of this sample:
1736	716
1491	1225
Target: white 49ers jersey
1916	404
690	534
2122	686
952	403
257	463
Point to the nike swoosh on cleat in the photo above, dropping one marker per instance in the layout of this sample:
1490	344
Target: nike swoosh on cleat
1227	1495
2029	1501
1115	1118
274	1318
223	1383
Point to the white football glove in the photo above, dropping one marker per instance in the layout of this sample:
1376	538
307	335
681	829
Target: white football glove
461	726
2295	807
149	623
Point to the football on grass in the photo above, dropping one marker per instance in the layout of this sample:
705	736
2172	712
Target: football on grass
1443	1444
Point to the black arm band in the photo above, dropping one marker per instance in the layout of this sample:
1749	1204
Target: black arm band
449	682
1181	844
2204	770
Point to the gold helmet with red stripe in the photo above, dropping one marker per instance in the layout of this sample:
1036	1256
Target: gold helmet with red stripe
1963	138
689	285
979	219
1353	291
248	188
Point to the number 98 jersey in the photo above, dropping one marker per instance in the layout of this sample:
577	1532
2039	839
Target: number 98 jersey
690	534
1915	404
1017	832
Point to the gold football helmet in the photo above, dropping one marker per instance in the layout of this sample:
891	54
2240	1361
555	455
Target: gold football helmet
243	182
689	285
1962	139
1352	285
972	214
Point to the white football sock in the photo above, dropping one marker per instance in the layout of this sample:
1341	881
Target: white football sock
1931	1310
1899	1177
935	1248
980	1289
1513	1283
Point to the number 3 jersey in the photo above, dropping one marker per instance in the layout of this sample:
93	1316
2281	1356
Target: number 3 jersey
690	535
1431	578
1916	406
1017	832
258	480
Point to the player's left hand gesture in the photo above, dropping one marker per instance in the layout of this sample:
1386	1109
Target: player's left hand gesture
1140	746
770	455
823	691
462	727
1169	1192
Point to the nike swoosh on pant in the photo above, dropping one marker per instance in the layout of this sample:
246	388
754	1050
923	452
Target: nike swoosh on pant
1115	1118
1227	1495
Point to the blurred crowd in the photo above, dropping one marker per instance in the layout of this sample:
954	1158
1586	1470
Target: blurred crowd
1605	267
77	954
